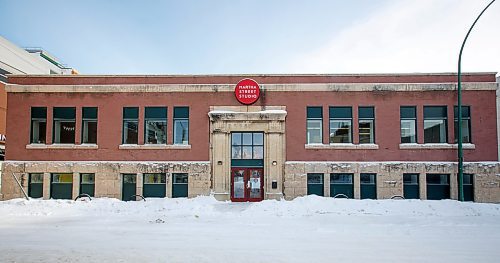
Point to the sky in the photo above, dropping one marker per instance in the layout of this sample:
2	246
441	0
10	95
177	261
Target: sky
260	36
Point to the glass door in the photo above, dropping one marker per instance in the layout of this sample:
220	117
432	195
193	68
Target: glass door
247	184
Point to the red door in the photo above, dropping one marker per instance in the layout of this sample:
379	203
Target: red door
247	184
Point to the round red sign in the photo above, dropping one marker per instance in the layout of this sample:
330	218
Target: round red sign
247	91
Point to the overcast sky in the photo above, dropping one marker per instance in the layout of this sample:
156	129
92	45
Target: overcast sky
261	36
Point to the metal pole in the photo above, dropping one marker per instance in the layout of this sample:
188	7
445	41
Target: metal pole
459	106
20	186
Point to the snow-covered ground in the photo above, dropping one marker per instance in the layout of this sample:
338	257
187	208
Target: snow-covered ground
308	229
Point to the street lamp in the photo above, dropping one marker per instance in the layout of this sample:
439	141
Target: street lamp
459	106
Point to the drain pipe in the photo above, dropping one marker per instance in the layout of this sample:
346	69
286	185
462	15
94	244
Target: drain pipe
20	186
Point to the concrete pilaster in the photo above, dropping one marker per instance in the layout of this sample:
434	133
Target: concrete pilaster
46	186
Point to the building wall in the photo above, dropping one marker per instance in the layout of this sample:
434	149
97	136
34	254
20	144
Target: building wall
387	124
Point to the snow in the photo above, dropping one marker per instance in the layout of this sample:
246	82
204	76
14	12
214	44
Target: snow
307	229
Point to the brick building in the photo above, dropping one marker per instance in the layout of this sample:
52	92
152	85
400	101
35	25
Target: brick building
357	136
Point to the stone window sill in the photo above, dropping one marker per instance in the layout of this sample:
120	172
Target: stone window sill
62	146
154	147
342	146
435	146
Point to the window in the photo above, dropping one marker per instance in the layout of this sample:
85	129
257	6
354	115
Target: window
466	124
435	127
411	186
248	145
340	125
366	124
314	125
64	124
89	125
315	184
181	125
38	124
438	186
341	185
180	185
35	187
87	184
130	122
408	115
154	185
368	186
155	125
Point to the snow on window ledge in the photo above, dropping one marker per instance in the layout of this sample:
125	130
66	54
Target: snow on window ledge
435	146
62	146
154	147
343	146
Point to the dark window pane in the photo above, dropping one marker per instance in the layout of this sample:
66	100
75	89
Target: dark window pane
408	112
89	112
340	112
315	112
62	178
64	113
466	138
441	179
181	112
367	178
467	179
39	112
38	131
465	111
341	178
410	178
64	131
366	112
314	178
129	178
36	178
435	112
180	178
435	131
130	132
156	112
131	113
89	132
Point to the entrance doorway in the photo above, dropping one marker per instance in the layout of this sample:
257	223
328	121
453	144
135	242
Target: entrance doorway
247	184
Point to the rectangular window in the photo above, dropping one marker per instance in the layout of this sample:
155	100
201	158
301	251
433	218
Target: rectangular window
181	125
314	125
341	185
408	117
87	184
340	125
315	184
154	185
438	186
411	186
435	124
38	124
64	124
180	185
248	145
368	186
35	187
366	124
89	125
466	124
155	130
130	122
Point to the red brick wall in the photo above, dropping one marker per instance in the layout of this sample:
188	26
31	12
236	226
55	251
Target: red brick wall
386	111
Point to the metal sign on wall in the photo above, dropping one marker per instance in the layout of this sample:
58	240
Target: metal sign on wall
247	91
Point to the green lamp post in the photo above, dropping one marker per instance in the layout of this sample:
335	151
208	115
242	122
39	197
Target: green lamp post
459	88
